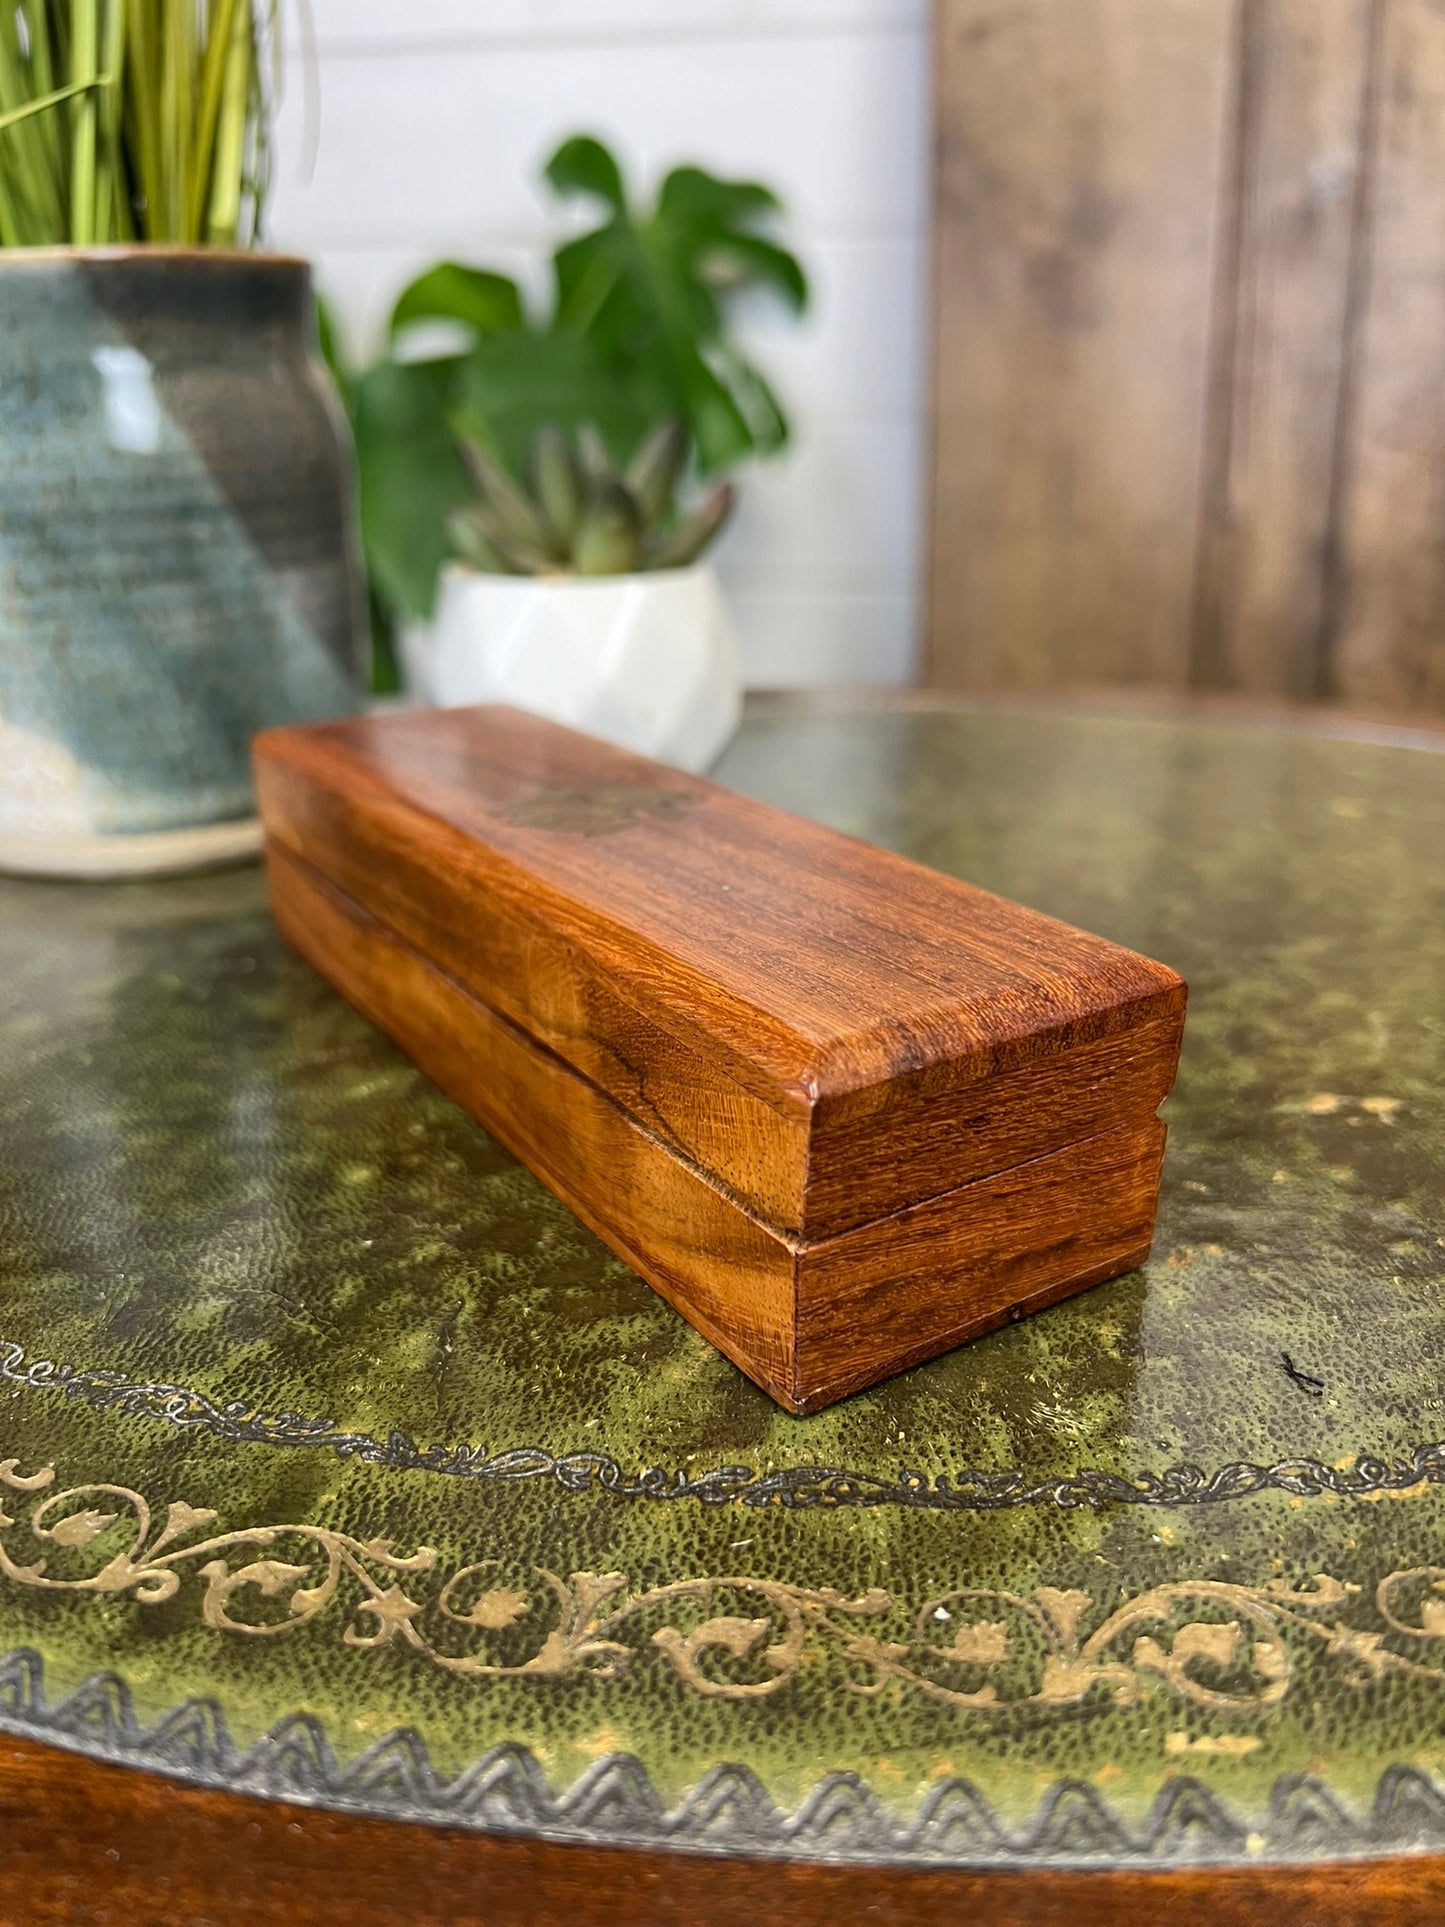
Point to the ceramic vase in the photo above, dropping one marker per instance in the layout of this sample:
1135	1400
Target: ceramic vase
178	559
647	661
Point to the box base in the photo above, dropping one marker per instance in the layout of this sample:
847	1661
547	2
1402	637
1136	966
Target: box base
809	1322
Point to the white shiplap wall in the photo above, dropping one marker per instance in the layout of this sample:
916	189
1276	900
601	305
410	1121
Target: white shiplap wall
434	118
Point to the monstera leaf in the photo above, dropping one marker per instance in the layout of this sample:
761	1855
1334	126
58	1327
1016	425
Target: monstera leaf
511	385
410	475
637	337
483	302
649	292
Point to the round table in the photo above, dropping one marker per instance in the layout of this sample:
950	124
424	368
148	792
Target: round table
387	1549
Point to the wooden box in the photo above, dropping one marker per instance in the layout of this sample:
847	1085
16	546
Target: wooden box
842	1112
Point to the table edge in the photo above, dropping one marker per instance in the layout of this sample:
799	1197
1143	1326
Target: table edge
1384	727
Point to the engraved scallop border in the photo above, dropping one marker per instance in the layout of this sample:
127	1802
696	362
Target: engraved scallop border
791	1488
729	1810
614	1803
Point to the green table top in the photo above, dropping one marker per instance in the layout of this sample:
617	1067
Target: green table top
342	1464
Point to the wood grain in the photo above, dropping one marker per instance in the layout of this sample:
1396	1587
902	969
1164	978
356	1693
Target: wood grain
908	1287
731	1275
90	1845
1283	313
1189	321
1081	150
830	1032
1385	644
809	1322
961	1131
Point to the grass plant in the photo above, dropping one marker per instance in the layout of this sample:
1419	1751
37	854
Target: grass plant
134	120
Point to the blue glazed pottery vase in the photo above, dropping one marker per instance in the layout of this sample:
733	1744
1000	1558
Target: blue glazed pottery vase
178	558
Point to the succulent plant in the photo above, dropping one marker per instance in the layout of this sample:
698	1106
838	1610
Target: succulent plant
579	514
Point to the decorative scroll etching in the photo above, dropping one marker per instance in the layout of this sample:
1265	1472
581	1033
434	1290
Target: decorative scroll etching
1222	1647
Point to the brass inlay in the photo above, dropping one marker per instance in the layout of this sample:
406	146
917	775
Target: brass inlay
975	1647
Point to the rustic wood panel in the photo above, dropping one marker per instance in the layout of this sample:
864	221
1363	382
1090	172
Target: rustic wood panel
1386	642
1281	320
1190	334
1080	184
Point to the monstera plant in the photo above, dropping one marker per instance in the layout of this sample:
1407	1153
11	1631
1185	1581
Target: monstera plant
525	486
635	335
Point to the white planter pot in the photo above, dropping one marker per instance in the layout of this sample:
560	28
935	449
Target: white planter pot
645	661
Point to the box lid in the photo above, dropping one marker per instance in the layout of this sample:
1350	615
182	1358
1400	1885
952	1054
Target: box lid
829	1031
